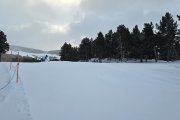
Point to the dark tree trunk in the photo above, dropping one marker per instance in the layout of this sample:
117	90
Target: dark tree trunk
141	58
146	58
155	54
168	55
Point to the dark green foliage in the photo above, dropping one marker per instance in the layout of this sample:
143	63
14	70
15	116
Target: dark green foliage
167	30
124	41
99	46
75	54
178	17
178	37
29	59
137	44
69	53
65	52
163	44
148	41
115	45
85	51
108	45
4	46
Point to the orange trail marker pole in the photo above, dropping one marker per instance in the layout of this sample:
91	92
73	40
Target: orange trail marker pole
6	57
11	61
5	60
17	68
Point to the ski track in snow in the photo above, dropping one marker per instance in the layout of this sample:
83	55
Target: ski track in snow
13	102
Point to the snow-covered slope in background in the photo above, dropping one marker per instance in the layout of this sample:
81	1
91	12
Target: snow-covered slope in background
93	91
32	50
34	53
25	49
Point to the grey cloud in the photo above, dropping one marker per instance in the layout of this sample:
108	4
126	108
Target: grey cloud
18	11
103	15
106	6
128	12
25	24
35	35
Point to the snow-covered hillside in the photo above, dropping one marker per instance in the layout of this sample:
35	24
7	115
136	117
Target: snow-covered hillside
32	50
34	55
99	91
24	51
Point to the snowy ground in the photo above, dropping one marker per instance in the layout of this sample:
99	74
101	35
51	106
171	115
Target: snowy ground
97	91
13	102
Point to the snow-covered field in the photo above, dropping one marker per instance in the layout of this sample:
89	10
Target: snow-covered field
94	91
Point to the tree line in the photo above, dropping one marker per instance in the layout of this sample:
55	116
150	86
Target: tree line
4	46
159	41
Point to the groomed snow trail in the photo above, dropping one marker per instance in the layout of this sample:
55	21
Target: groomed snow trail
13	103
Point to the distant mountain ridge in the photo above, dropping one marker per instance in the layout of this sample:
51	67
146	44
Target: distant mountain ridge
53	52
32	50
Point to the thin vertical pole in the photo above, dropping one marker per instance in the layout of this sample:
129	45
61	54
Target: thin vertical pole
17	68
11	60
6	57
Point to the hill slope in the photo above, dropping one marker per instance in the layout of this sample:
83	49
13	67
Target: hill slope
25	49
32	50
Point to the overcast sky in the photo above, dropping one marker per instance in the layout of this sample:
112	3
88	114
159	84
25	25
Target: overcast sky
47	24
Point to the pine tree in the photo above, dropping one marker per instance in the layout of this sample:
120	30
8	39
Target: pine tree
100	46
178	17
66	52
85	49
167	30
115	45
178	33
149	41
108	45
122	44
177	46
124	41
74	54
137	51
4	46
69	53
